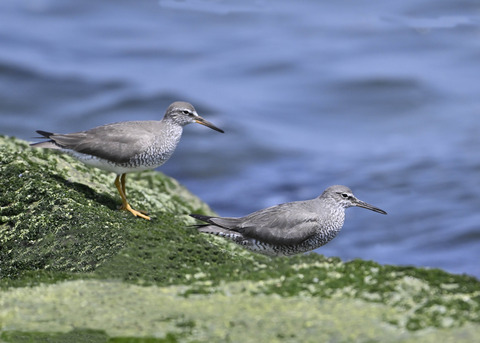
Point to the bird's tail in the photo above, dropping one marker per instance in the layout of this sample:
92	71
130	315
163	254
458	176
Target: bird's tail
206	219
47	144
44	134
214	229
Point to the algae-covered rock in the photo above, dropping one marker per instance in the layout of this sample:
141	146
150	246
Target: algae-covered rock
73	268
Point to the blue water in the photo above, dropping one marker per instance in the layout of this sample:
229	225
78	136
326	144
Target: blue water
381	96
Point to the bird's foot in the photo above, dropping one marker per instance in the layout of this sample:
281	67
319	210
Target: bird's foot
141	214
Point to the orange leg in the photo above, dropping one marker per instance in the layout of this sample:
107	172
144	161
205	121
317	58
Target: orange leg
122	179
125	205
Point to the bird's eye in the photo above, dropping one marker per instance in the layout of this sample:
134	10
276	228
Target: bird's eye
186	112
344	195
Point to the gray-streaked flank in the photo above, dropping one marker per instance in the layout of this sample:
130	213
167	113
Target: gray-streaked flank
130	146
290	228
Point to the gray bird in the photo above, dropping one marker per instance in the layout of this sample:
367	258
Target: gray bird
290	228
129	146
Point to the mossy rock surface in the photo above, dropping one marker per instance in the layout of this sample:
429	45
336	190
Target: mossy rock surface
73	268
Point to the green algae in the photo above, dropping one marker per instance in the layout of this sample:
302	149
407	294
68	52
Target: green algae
60	230
76	335
235	312
55	218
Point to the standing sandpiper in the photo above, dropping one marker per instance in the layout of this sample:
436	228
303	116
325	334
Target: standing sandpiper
290	228
130	146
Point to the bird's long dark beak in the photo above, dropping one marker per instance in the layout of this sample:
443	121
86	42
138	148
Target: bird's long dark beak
202	121
363	204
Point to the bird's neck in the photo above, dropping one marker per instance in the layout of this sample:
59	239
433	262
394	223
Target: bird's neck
172	121
171	126
333	214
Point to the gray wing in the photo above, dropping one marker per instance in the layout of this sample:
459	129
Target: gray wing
116	142
285	224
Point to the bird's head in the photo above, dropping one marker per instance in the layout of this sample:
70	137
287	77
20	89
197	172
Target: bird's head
343	196
184	113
